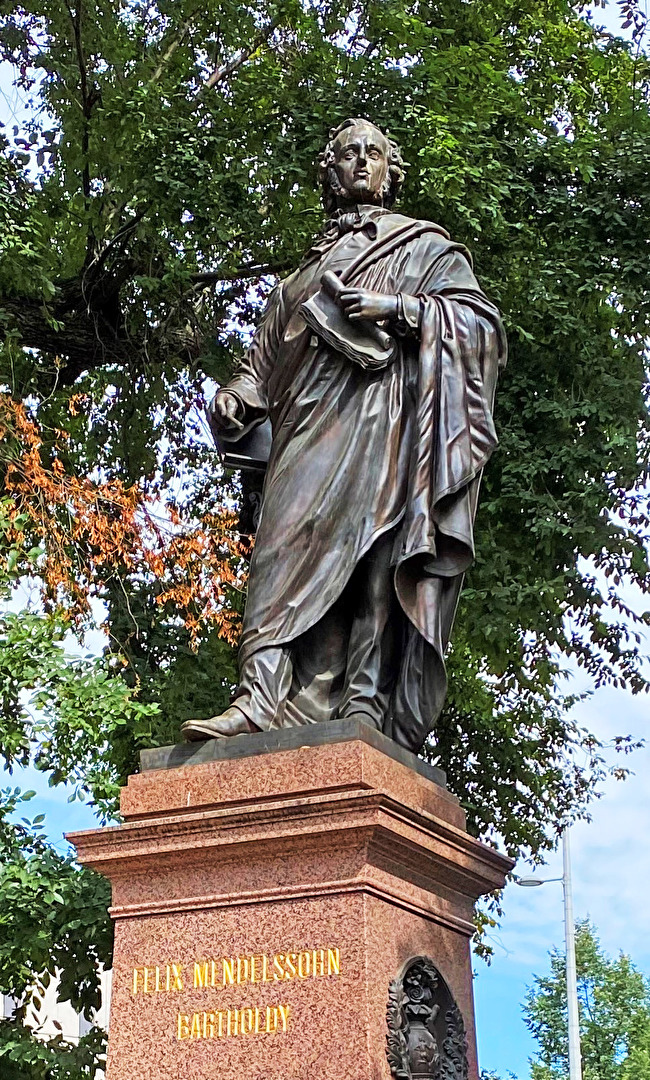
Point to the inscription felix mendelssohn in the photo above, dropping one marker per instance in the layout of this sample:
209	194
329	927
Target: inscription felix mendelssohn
218	973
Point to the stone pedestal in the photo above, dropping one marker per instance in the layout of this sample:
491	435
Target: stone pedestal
267	890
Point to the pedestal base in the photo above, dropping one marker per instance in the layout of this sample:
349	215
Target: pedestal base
266	893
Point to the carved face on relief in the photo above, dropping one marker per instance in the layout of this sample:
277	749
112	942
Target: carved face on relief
361	162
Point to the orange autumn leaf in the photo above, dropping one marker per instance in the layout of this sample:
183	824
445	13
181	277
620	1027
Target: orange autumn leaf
88	531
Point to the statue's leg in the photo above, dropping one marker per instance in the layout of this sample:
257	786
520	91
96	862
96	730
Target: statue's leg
422	683
319	660
265	678
264	681
375	637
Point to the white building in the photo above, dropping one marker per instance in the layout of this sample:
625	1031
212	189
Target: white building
59	1018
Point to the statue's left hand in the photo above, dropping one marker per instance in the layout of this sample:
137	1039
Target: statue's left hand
365	304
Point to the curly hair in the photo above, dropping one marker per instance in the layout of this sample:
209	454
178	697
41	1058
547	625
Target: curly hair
329	181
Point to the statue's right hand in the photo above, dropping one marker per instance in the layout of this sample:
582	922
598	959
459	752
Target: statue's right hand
225	409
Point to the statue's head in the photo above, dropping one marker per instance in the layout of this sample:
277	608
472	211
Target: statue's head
360	165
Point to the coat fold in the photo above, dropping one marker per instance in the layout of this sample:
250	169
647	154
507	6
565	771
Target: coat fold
358	453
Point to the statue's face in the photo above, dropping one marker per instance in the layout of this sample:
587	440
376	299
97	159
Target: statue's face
362	159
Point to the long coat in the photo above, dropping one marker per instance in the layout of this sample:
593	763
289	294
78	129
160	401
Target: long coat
356	453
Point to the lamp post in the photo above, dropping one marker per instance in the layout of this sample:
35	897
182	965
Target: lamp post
575	1061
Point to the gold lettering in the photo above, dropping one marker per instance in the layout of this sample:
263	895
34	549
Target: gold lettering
333	962
146	989
200	975
249	1021
136	972
224	971
173	977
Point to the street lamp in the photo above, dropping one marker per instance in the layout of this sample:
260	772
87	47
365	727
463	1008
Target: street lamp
575	1062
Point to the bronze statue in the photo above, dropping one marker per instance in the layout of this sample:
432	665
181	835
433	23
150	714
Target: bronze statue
376	363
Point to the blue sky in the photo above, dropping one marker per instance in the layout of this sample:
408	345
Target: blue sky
611	878
611	855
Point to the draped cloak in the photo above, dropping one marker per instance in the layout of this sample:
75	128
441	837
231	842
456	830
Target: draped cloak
356	453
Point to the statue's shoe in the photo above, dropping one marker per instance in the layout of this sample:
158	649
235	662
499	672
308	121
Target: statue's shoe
231	722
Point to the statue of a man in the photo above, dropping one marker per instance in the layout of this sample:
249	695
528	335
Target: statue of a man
378	378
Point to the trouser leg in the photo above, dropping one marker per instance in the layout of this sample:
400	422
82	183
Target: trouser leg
319	661
300	683
345	665
375	637
264	681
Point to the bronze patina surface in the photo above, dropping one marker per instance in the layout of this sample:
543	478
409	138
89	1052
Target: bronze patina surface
379	392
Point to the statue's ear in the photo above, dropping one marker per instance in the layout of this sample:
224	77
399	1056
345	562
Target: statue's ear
333	178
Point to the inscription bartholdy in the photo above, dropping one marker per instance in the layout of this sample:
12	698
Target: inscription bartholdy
229	1023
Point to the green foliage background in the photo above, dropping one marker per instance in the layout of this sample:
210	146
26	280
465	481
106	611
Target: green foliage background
614	1012
164	179
614	1007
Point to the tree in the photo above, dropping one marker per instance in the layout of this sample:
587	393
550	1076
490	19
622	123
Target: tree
614	1005
163	178
53	920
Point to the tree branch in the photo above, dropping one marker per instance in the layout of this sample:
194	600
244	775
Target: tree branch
79	340
171	48
223	72
85	340
88	99
115	244
247	270
84	327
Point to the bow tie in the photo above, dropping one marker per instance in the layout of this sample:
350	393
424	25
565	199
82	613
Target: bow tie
345	221
341	223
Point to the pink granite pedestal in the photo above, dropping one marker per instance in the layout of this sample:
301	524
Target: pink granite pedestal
263	904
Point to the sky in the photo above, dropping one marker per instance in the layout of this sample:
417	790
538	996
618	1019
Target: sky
611	854
611	881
